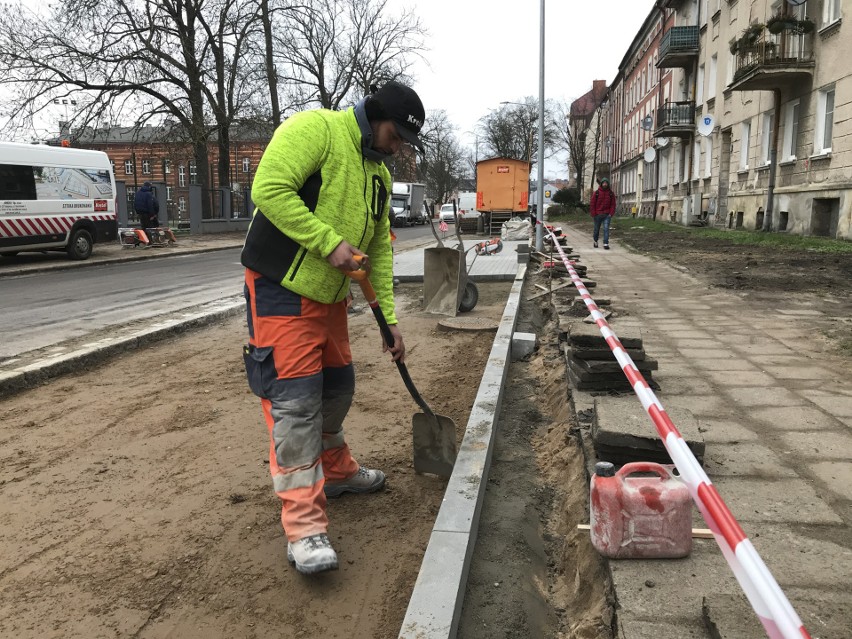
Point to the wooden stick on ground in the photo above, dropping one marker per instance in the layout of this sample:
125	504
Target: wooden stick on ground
697	533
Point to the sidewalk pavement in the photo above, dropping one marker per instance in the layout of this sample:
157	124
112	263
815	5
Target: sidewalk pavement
775	407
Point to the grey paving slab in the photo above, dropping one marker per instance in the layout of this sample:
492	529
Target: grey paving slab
766	397
795	372
721	431
732	364
678	384
745	459
707	353
695	343
803	417
830	444
774	500
802	558
659	626
834	403
740	378
837	476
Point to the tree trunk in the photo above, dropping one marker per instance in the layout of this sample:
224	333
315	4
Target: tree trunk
271	73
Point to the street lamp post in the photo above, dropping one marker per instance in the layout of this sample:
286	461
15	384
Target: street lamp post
539	235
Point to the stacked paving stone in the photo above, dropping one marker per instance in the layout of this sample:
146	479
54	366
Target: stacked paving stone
622	432
591	364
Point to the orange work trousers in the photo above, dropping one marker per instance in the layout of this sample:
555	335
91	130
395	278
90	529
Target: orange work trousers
299	363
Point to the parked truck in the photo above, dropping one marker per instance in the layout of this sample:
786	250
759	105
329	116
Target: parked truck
407	204
502	190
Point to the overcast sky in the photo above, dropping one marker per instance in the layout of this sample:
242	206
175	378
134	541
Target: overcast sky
483	52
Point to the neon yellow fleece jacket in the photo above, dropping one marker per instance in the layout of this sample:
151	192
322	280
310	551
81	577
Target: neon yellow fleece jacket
313	188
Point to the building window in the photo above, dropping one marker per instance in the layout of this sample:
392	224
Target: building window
711	78
128	167
131	195
677	154
699	86
112	162
729	75
182	204
766	141
246	165
824	121
181	175
791	131
146	167
745	135
664	168
168	194
167	166
193	172
830	11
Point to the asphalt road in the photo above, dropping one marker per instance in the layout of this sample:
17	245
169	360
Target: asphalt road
42	309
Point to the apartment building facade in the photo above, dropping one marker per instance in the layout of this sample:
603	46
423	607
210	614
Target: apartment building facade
751	126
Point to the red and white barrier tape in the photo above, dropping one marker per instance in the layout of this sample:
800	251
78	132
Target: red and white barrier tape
765	596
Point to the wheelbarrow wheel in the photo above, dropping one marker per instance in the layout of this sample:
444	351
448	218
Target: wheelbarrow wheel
470	297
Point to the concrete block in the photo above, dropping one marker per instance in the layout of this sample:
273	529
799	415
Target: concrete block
622	432
581	334
523	345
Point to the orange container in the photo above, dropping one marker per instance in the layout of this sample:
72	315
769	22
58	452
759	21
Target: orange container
502	184
640	517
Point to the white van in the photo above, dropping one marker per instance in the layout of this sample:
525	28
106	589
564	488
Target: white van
55	198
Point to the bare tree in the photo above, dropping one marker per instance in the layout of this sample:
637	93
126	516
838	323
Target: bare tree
444	161
151	58
512	130
329	52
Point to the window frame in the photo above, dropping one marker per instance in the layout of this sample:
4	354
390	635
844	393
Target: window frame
745	141
791	131
181	175
767	122
822	113
146	167
128	167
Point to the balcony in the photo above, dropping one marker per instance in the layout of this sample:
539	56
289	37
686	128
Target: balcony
678	48
675	120
773	61
672	4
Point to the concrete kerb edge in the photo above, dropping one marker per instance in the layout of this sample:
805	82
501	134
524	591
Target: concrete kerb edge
90	356
434	609
64	266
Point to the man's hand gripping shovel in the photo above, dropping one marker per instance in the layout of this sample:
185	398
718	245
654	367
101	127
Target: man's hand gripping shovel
435	447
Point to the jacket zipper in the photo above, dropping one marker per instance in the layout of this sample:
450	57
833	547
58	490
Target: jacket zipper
298	264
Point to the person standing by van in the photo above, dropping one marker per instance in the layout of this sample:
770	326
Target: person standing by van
322	192
146	206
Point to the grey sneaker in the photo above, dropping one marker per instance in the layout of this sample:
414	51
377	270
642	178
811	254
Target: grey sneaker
312	554
596	245
364	481
606	246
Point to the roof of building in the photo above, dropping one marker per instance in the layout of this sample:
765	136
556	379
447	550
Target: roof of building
584	106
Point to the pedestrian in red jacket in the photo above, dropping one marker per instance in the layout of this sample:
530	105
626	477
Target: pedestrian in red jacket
602	208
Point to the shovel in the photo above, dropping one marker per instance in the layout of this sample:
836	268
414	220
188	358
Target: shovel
435	447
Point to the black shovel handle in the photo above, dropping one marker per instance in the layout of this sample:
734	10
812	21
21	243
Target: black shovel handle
372	300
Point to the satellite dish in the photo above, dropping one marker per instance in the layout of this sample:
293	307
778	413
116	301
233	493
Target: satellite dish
662	142
650	155
705	125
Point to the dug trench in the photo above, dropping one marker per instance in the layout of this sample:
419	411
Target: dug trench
533	573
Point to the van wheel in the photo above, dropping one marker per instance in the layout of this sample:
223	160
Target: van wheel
80	246
470	297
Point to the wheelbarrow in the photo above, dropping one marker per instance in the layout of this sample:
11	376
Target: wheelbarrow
447	289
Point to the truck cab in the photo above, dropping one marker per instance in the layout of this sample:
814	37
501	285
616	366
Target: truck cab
407	204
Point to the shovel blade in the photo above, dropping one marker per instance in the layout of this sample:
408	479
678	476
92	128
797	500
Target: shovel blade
435	446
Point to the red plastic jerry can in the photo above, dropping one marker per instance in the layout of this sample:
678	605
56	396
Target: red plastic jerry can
640	517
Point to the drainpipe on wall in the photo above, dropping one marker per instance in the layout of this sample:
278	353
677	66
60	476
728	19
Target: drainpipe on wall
659	104
773	162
